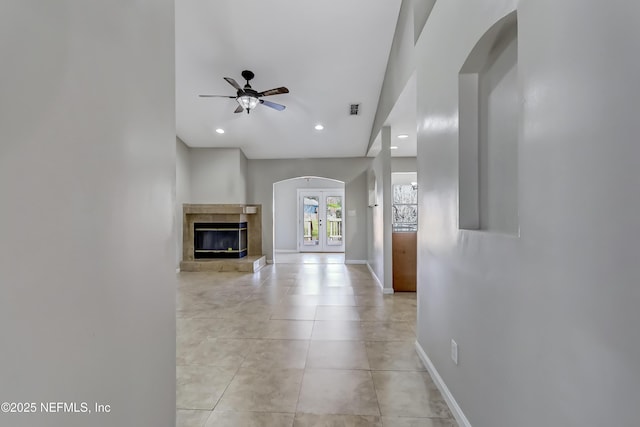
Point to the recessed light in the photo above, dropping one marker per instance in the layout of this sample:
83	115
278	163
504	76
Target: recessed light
393	147
403	136
219	130
319	127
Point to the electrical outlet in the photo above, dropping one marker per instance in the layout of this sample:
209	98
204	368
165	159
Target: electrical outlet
454	351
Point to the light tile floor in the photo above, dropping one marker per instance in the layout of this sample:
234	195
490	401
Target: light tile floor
308	258
300	345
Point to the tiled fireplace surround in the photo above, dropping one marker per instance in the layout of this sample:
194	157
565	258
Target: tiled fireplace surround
233	213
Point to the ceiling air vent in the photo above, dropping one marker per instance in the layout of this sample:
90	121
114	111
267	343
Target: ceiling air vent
354	109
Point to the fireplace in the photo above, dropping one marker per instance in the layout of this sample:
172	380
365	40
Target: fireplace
219	240
223	237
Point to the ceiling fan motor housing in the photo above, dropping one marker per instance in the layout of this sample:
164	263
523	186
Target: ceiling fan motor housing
247	75
248	98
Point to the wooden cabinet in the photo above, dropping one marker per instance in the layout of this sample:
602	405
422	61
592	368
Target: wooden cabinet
404	248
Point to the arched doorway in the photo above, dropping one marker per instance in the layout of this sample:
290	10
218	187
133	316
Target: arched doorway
308	222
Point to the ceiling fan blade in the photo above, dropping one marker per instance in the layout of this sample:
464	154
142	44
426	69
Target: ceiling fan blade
216	96
233	83
276	91
272	105
239	109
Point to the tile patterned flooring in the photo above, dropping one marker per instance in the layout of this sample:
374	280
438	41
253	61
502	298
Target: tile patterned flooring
300	345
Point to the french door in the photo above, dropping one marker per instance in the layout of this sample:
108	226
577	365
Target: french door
320	220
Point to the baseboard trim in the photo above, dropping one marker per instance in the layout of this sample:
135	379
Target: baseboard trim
286	251
375	277
355	261
269	261
437	379
385	291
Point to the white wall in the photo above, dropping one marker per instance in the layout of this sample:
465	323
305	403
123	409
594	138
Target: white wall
218	175
183	191
87	182
285	218
262	174
546	323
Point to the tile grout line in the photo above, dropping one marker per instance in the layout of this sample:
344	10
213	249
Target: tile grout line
375	391
282	299
227	387
304	370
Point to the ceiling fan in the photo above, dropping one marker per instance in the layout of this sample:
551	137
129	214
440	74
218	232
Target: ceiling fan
248	98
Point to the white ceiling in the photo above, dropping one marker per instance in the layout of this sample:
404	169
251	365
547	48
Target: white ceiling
403	121
328	53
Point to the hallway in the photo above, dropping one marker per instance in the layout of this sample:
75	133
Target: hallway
300	345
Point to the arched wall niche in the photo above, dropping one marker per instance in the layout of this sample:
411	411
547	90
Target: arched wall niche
489	118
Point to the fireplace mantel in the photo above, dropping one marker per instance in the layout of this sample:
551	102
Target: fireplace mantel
192	209
203	213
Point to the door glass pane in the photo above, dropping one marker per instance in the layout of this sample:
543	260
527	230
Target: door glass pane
405	208
310	222
334	220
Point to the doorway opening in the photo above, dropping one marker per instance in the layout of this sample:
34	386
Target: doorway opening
308	221
320	225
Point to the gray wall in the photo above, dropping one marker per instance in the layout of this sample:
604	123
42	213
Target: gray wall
285	196
379	251
218	175
399	68
242	178
546	323
404	164
498	141
183	191
87	182
421	11
403	178
262	174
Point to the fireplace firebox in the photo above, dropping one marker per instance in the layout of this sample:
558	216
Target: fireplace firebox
219	240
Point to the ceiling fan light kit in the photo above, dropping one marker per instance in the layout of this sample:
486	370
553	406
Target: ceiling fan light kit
248	102
247	97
